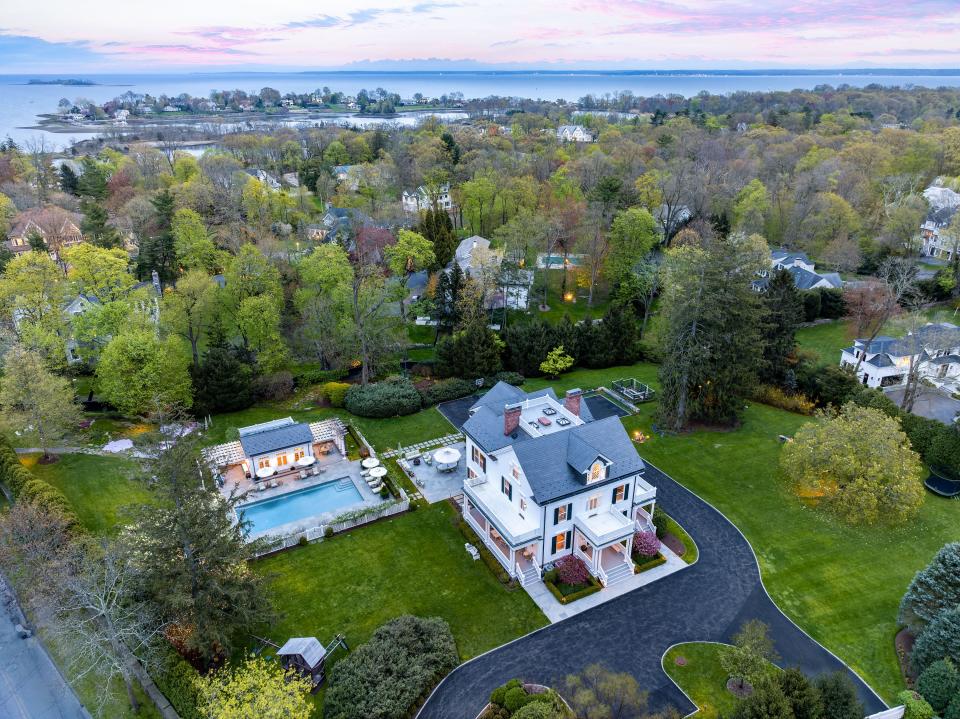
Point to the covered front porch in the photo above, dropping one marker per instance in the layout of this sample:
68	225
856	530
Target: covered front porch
604	541
520	555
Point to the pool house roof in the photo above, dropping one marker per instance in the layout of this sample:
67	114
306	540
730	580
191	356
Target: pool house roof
279	431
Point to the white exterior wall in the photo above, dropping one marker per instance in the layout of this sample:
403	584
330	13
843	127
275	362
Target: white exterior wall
274	457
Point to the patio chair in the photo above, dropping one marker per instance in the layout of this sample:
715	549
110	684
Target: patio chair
261	487
302	475
319	470
375	488
428	459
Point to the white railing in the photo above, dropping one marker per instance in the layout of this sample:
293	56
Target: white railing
520	576
477	481
397	508
601	575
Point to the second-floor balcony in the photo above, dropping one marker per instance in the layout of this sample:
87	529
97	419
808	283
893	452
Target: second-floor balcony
604	526
517	528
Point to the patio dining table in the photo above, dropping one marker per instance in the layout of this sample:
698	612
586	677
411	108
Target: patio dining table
446	458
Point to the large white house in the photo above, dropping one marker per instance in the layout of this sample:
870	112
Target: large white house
944	204
546	480
574	133
933	351
422	199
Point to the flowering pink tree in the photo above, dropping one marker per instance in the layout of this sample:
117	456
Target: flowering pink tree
646	544
572	570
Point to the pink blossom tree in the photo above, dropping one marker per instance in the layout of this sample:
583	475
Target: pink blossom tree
572	570
646	544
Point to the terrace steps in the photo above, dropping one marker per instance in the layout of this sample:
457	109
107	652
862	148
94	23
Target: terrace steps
619	573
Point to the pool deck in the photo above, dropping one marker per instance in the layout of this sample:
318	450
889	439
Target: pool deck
337	468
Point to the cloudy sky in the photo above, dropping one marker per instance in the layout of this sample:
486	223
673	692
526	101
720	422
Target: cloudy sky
136	35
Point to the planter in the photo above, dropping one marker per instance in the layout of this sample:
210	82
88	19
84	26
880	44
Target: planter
642	564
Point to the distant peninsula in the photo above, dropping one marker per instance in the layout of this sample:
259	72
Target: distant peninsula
71	82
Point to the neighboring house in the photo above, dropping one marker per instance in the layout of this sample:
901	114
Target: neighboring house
671	219
264	177
77	306
421	199
290	179
514	286
574	133
934	351
56	226
343	174
546	480
801	268
944	203
469	253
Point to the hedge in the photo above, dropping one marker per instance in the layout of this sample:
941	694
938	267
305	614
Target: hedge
304	376
383	399
177	680
446	390
648	563
594	587
23	485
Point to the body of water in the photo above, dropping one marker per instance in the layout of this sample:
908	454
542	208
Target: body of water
20	103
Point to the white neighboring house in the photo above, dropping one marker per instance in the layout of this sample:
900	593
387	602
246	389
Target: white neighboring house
414	201
506	285
471	253
574	133
934	350
802	269
944	204
265	177
546	480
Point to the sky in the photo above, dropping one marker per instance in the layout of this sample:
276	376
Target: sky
62	36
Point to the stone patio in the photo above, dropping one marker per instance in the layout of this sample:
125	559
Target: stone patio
556	611
433	484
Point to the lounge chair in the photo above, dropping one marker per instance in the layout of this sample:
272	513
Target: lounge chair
319	470
472	551
261	486
375	488
302	474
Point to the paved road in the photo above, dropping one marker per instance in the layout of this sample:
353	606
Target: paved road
30	686
706	602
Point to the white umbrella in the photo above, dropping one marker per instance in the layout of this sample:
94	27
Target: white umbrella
306	460
378	472
370	462
446	457
265	472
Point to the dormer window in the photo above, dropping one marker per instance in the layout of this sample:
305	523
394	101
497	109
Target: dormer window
598	471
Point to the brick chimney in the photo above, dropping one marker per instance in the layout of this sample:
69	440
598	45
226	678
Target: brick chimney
511	418
572	401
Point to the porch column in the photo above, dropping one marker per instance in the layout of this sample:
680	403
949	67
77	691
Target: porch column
629	547
513	563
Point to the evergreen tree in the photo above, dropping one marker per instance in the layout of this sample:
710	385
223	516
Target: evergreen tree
93	181
36	241
194	569
222	381
96	227
437	227
838	697
939	640
766	702
472	353
157	251
784	310
803	698
447	296
934	590
69	182
939	684
527	345
713	333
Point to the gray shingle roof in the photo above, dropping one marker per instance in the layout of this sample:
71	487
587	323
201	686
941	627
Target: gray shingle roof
546	461
269	440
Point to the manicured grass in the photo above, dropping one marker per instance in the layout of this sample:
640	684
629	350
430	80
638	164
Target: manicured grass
701	677
382	433
591	378
841	584
99	488
826	340
411	564
577	310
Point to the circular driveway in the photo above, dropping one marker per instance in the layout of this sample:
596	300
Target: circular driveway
707	601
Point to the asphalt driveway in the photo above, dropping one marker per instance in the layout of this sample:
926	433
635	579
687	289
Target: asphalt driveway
705	602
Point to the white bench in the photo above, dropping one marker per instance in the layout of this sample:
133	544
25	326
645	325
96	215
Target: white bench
472	551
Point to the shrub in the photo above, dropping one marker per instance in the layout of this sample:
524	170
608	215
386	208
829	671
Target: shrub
274	386
646	544
48	498
514	698
304	376
838	697
383	399
659	521
303	541
556	363
387	676
953	708
776	397
938	684
446	390
811	306
572	570
178	682
514	378
335	392
914	705
939	640
328	531
832	306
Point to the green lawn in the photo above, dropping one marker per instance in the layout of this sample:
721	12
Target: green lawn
841	584
412	564
99	488
826	340
701	677
576	307
382	433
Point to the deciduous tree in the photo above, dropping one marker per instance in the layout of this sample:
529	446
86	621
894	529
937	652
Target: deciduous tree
139	374
255	689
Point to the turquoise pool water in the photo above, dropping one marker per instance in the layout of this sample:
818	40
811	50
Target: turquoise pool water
294	506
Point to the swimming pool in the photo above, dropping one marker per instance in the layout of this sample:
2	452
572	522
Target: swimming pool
300	504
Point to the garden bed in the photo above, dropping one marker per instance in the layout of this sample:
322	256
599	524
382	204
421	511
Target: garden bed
643	563
567	593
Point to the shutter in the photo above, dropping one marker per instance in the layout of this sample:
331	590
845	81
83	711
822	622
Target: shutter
553	545
613	497
569	546
570	511
626	491
556	515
